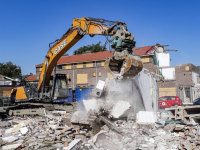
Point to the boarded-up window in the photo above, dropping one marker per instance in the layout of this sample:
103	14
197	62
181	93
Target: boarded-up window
68	66
145	59
6	93
171	91
102	63
94	74
110	75
89	64
82	78
187	67
80	65
99	74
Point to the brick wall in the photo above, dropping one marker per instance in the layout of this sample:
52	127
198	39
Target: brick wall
184	76
92	80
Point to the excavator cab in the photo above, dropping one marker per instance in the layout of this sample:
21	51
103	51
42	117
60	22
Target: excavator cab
59	87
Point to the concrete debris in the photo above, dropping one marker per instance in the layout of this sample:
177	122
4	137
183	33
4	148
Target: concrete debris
119	109
9	139
13	146
94	129
146	118
74	145
91	105
99	88
24	130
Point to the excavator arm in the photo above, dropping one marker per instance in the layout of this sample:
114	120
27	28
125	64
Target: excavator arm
123	63
80	27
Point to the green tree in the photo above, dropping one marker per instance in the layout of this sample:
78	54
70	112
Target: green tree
10	70
92	48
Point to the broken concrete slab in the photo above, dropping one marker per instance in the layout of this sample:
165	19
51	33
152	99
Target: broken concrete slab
13	146
74	145
9	139
119	109
91	104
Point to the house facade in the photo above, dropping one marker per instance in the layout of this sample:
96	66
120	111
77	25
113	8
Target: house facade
86	69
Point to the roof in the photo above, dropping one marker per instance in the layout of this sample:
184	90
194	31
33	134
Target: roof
6	77
33	77
142	50
84	57
146	50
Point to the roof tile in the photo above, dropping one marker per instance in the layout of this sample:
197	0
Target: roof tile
33	77
97	56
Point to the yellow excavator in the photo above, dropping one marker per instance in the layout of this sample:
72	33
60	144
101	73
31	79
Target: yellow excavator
122	64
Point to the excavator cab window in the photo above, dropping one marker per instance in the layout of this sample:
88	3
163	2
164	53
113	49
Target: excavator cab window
60	81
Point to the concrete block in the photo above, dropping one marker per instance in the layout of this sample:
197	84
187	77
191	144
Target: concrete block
99	88
146	118
119	109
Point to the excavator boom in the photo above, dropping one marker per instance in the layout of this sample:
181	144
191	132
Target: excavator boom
122	63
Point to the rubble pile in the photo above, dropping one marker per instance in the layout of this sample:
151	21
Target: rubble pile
52	131
98	129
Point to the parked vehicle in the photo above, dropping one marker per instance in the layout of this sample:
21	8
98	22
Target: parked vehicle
196	101
168	101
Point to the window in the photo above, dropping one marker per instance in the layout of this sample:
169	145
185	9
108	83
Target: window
172	98
59	67
68	66
187	67
163	99
99	74
82	78
89	64
94	74
102	63
80	65
40	69
145	59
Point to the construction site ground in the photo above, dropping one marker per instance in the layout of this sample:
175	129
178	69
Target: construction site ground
105	128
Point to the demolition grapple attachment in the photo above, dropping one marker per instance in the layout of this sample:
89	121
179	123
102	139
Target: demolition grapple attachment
123	63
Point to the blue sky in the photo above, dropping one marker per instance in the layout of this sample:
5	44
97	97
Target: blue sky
27	27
